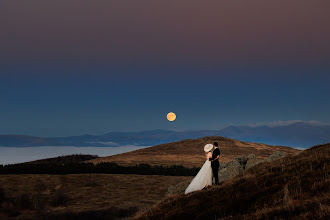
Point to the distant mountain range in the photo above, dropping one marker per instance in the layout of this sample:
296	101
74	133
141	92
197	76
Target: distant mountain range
299	134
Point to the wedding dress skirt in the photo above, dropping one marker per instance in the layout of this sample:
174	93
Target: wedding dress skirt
202	179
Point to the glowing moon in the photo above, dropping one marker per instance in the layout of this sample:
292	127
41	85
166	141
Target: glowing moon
171	116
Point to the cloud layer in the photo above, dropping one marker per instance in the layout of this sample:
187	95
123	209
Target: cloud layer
285	123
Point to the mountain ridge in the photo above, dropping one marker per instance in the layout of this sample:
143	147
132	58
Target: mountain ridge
298	134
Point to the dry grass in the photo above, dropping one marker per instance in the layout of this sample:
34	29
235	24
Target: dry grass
294	187
78	193
189	153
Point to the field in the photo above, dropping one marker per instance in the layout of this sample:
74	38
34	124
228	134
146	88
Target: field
83	193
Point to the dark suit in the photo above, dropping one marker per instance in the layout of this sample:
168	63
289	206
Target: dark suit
215	164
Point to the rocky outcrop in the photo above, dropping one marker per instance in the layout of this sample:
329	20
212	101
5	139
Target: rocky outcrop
229	170
178	189
242	163
275	156
241	160
232	169
222	165
251	161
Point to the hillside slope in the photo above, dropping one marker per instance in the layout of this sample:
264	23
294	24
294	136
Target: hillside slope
190	153
296	186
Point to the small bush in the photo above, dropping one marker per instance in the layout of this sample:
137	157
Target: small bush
91	183
23	201
59	199
12	212
39	202
39	185
2	195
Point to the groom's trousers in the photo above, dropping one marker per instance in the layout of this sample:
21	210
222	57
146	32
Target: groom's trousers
215	170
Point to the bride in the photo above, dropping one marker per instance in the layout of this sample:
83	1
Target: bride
204	176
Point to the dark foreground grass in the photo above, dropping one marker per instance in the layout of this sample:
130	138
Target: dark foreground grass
295	187
80	196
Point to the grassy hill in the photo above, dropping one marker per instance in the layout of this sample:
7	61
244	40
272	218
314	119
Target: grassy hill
189	153
294	187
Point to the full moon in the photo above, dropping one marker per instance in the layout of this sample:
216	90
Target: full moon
171	116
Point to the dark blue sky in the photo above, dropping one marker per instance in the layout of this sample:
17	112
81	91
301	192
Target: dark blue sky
69	69
92	103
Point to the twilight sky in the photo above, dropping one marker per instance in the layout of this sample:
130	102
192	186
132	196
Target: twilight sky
75	67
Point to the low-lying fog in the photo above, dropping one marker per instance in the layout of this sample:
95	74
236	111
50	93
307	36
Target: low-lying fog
10	155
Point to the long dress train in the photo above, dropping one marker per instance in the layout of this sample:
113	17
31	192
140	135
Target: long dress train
202	179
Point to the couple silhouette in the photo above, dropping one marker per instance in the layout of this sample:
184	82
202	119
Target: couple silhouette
209	169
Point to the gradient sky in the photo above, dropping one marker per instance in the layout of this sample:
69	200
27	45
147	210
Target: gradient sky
75	67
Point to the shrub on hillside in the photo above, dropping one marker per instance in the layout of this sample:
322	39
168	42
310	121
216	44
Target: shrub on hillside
91	183
39	185
2	195
23	201
39	204
59	199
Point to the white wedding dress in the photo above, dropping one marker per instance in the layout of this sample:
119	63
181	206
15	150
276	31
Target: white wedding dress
202	179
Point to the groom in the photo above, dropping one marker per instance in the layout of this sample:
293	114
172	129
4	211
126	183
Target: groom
215	162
